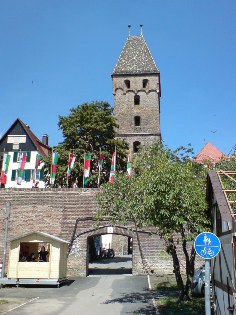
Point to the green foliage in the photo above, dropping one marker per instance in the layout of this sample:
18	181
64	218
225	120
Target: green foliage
166	286
167	191
226	164
88	128
172	306
229	182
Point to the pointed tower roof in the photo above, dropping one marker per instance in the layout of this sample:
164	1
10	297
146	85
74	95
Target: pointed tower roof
135	58
209	154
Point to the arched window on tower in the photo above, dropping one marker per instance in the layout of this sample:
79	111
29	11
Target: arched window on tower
127	84
136	146
137	121
145	82
136	100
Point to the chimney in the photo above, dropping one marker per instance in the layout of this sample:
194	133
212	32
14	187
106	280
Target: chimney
45	139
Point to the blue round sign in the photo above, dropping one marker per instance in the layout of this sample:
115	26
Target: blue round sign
207	245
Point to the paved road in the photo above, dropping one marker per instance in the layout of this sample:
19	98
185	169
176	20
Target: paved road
100	293
113	294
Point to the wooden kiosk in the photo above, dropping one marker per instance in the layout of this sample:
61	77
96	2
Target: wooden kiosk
25	266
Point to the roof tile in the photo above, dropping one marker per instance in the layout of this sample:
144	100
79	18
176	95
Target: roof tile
135	58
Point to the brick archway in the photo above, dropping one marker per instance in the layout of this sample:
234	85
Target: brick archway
61	213
78	260
115	240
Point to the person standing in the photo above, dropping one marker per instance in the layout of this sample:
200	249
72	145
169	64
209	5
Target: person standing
43	254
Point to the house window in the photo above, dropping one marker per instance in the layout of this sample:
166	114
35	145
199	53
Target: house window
145	82
136	146
26	176
127	84
137	121
34	252
39	175
16	156
136	100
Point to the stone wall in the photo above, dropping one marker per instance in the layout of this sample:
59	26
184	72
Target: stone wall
55	211
148	110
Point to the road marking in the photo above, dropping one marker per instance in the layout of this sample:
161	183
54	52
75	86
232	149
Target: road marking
149	283
153	300
14	308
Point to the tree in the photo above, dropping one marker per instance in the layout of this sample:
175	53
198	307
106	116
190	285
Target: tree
89	128
167	192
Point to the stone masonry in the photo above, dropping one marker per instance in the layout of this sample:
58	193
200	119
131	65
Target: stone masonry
137	92
55	211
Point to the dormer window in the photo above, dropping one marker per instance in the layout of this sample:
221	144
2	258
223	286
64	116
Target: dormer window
145	82
136	100
127	84
137	121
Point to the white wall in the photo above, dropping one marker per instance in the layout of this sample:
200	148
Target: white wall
28	165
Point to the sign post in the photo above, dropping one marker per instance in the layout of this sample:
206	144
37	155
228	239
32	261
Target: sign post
8	204
207	246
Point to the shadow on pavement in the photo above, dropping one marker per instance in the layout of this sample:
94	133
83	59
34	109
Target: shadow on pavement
101	271
144	297
114	260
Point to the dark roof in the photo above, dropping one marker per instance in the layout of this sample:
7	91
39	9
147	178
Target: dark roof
215	185
40	147
135	58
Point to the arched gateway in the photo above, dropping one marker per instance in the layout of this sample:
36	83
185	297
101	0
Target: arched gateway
71	215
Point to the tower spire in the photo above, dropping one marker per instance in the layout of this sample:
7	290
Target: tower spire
141	29
129	26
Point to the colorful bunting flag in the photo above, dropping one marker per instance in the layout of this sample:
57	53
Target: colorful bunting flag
100	162
21	167
39	159
55	157
87	161
5	165
100	165
71	163
129	166
113	168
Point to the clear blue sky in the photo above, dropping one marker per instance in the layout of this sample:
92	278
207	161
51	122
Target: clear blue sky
56	54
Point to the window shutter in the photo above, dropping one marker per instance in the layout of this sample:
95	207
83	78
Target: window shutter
15	156
27	175
28	153
41	176
13	175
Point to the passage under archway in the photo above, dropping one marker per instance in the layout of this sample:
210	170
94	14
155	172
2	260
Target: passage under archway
109	254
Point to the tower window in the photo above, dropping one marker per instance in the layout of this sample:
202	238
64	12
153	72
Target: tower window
145	82
137	121
136	100
127	84
136	146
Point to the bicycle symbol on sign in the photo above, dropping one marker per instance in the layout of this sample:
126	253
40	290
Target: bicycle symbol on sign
206	251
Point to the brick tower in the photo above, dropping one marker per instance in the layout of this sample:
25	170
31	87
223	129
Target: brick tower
137	91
